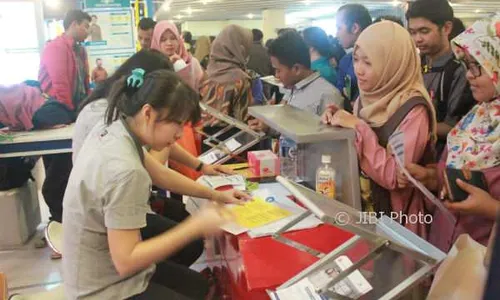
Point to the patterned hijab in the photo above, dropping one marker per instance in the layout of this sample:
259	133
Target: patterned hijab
229	54
475	142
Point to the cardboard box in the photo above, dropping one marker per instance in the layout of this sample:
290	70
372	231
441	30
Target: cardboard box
264	163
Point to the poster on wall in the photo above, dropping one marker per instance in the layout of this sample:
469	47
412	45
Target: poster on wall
89	4
110	61
111	38
110	29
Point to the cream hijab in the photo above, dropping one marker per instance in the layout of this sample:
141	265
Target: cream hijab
395	61
202	48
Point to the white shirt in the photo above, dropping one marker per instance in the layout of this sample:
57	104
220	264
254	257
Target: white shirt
89	117
108	189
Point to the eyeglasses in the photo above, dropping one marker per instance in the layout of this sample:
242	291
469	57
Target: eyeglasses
474	67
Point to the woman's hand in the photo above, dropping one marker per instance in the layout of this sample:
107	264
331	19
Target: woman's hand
210	218
175	58
426	175
231	197
344	119
258	125
327	116
478	203
214	170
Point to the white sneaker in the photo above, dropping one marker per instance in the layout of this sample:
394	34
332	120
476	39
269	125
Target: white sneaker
54	235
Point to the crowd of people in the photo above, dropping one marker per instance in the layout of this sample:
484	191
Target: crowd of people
432	81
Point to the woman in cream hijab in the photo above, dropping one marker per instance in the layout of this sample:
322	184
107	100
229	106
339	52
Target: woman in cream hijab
202	51
388	71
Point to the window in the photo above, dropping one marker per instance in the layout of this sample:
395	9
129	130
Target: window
19	45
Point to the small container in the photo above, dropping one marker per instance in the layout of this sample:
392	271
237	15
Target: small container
325	178
264	163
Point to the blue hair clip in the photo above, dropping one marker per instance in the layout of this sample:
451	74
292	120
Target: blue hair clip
136	80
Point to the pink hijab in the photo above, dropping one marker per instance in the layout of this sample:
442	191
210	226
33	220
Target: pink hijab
160	29
192	74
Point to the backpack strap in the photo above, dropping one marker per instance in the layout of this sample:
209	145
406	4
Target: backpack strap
380	197
384	132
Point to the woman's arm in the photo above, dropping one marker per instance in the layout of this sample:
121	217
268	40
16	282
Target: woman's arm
380	165
130	254
183	157
169	179
427	175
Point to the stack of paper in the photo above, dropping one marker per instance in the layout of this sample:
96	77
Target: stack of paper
354	286
254	214
237	181
288	204
257	213
268	222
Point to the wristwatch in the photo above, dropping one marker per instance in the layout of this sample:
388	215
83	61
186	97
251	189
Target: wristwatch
200	166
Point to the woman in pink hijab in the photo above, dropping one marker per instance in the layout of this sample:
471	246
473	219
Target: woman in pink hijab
167	40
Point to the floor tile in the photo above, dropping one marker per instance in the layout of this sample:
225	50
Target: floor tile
29	267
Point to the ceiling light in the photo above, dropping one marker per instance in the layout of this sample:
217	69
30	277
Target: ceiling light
307	2
250	16
179	16
54	4
204	2
313	13
189	11
396	3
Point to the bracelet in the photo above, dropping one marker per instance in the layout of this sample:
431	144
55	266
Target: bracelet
200	166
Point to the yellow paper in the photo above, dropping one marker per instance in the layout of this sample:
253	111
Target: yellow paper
258	213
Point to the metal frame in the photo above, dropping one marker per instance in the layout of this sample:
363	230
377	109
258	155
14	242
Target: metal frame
427	258
220	144
278	235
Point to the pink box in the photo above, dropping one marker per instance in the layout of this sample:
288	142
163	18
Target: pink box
264	163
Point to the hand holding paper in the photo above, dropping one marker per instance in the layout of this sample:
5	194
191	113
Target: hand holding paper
428	194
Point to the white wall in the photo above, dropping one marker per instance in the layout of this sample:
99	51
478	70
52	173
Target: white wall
199	28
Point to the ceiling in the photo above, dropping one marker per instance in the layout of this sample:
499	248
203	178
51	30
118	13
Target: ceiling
205	10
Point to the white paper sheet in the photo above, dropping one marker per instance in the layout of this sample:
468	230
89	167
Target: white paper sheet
213	156
233	145
354	286
237	181
397	142
288	204
272	80
428	194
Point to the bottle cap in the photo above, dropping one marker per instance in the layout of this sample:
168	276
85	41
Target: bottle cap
326	159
